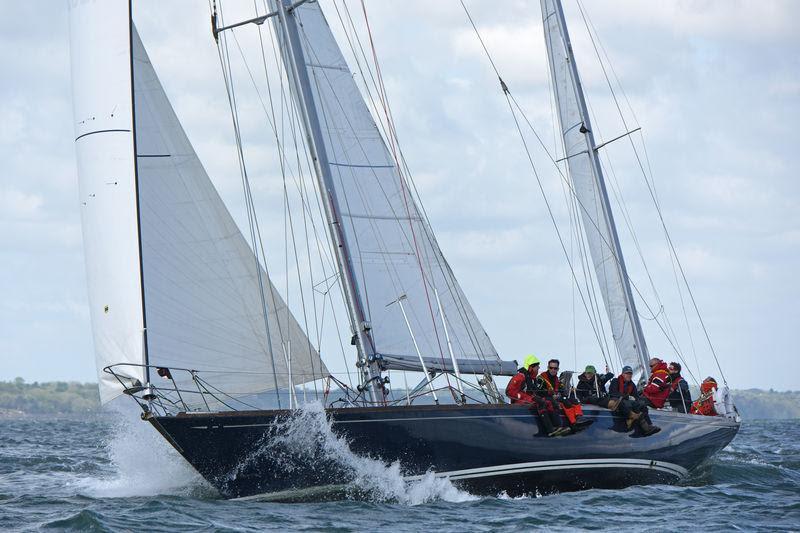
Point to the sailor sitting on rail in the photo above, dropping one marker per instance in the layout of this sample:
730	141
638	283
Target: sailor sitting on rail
549	386
625	400
522	389
591	387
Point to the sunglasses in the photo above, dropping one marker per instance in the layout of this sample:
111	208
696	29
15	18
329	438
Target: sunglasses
553	367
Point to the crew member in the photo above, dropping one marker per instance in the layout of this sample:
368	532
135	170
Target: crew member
680	399
592	386
624	399
657	389
549	386
705	403
522	389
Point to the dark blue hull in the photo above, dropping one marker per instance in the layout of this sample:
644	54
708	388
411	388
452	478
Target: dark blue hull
485	449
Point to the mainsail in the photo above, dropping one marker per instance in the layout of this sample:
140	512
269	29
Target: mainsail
391	253
187	272
590	193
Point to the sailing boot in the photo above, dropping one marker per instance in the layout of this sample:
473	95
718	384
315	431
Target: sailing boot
555	420
549	429
647	428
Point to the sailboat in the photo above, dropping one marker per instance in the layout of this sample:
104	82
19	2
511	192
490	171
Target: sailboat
188	323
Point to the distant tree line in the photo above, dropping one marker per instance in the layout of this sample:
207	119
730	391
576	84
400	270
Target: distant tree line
62	397
56	397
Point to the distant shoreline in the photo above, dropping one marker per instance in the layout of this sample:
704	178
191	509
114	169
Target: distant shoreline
19	398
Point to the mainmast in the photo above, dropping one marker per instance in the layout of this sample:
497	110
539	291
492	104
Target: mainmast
591	193
296	69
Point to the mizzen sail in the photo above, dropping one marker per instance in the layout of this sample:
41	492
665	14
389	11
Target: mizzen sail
589	189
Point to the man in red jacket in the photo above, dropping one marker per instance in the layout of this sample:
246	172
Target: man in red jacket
522	389
657	389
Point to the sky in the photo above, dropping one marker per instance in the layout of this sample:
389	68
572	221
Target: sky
714	85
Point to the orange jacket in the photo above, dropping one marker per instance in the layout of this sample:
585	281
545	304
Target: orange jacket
705	404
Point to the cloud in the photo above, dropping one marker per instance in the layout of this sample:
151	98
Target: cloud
713	85
18	205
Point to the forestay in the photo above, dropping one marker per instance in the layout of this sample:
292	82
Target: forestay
391	250
589	188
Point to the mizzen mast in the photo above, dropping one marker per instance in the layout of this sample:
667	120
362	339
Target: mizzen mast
589	188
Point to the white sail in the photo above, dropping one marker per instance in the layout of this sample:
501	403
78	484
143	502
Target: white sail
587	181
191	278
101	95
391	251
202	295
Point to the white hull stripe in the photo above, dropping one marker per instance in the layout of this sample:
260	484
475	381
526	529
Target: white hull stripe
501	470
567	464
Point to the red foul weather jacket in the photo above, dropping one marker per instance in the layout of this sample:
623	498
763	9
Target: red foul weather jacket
657	388
520	387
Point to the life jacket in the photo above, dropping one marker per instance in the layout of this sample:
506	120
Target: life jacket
551	383
708	385
674	382
625	388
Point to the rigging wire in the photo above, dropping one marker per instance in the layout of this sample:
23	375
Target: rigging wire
511	99
322	77
224	58
392	143
461	305
593	34
323	245
656	203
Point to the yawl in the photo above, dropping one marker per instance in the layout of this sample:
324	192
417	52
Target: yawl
187	321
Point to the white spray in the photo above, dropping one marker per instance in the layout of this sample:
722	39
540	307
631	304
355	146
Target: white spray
307	433
142	463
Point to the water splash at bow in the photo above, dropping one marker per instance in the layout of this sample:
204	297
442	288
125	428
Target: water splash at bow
305	437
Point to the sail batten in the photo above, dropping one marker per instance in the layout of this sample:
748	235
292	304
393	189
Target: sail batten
589	189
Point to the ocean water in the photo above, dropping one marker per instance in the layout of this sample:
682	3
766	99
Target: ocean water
111	473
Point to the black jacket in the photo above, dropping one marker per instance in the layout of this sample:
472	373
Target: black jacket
594	386
679	398
629	390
